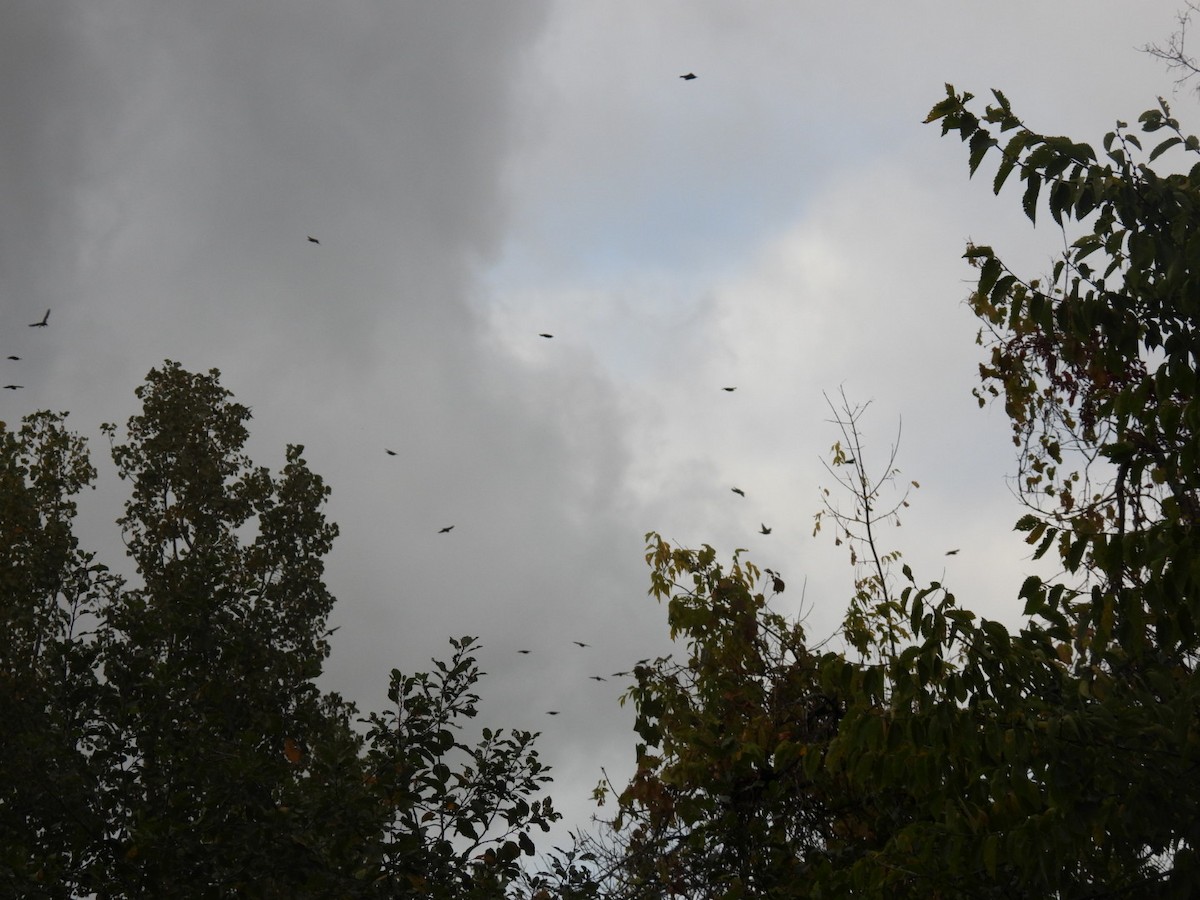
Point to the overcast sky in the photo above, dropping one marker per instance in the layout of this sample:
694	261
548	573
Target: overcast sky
479	173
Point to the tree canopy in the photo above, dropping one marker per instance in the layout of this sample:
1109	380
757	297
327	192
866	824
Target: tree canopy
165	735
952	756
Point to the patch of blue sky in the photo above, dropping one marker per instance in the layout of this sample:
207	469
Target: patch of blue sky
698	223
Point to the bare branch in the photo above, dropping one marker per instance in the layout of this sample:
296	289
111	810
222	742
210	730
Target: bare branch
1174	52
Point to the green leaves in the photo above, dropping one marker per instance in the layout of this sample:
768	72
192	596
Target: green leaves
51	594
456	813
1097	372
724	792
1164	147
981	142
1033	186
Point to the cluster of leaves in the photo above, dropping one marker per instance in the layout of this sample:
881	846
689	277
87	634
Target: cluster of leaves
165	736
1104	361
51	806
955	757
733	795
443	812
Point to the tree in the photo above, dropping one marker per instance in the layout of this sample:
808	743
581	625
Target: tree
239	771
731	797
1098	367
738	791
459	816
168	737
50	593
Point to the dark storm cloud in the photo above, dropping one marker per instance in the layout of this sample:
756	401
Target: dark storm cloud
164	163
51	102
172	162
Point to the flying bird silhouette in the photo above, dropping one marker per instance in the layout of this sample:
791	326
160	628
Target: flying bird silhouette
552	712
313	240
731	390
580	644
690	76
543	334
952	552
446	529
14	357
525	651
13	387
597	678
765	530
41	324
389	452
739	492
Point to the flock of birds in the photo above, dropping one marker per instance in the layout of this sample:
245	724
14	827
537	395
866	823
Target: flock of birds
44	322
763	529
690	76
41	323
446	529
581	644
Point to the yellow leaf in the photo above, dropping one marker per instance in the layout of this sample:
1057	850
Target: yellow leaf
291	749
